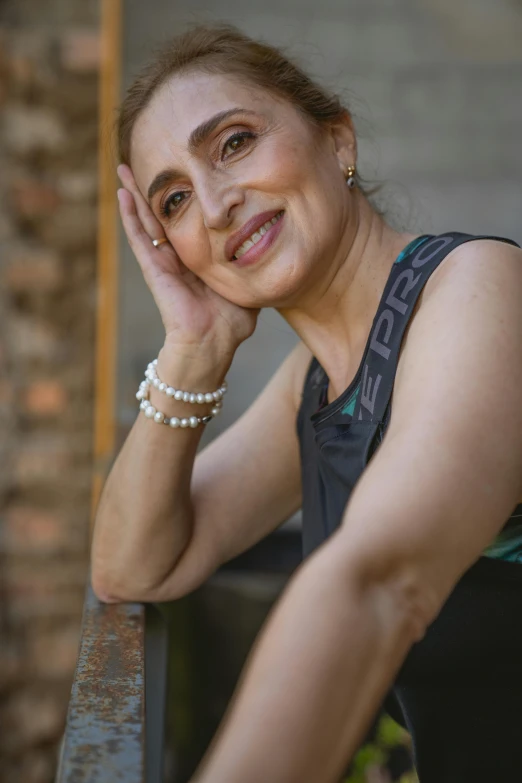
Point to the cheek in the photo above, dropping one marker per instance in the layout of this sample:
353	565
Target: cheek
192	248
285	166
303	174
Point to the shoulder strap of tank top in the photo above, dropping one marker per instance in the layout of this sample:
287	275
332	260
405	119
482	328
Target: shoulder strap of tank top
406	281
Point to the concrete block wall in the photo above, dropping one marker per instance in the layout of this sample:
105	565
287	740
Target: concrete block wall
436	89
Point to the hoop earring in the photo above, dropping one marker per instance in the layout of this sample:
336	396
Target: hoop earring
350	177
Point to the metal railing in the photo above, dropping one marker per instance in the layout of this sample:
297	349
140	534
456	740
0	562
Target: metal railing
116	718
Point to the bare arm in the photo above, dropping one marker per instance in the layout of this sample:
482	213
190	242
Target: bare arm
164	524
167	519
439	488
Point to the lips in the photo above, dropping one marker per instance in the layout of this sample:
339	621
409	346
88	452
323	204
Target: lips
236	239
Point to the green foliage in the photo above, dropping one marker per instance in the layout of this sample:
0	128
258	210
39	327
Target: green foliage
375	754
389	734
369	755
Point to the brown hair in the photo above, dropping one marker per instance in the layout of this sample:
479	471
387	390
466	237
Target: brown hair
223	49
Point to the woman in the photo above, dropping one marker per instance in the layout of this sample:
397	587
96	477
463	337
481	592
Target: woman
240	192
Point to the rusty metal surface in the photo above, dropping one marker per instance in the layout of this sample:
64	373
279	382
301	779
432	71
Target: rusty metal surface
104	738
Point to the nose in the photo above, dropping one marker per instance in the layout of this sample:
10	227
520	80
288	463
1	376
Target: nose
218	200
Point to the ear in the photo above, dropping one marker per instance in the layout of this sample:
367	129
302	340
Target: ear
344	141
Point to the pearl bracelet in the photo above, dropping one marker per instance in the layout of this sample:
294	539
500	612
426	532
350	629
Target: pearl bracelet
151	378
174	421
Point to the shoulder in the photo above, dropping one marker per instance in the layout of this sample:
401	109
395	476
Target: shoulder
478	260
465	330
482	277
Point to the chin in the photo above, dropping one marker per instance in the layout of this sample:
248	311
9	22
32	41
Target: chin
276	287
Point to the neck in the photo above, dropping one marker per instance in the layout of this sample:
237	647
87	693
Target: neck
334	320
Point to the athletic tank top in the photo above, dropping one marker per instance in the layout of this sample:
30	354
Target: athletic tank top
338	440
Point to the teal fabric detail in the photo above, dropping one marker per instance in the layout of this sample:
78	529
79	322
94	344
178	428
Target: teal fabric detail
410	247
350	405
507	545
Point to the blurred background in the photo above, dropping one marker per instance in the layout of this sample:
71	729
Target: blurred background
436	90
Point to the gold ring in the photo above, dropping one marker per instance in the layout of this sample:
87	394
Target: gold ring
158	242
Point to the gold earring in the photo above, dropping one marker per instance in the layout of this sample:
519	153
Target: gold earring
350	176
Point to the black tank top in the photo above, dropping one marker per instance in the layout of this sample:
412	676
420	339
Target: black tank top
337	440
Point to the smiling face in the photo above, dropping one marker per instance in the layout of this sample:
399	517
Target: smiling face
251	196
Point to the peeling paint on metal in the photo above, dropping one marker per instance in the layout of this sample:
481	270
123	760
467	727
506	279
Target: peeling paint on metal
105	731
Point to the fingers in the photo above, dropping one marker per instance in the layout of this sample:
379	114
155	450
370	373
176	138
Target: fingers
148	220
150	260
139	239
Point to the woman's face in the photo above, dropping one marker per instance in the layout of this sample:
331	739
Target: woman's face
217	159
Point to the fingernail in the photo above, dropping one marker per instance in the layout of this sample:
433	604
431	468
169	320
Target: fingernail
118	193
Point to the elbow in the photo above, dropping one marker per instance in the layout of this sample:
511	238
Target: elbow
399	588
404	598
114	581
119	595
116	589
103	591
110	590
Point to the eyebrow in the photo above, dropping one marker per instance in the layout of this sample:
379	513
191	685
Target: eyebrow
197	137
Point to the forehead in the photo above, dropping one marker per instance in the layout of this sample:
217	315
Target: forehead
184	102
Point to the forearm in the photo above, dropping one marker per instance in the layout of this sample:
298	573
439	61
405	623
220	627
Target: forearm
315	681
145	517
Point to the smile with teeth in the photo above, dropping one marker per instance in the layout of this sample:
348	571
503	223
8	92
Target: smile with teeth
256	236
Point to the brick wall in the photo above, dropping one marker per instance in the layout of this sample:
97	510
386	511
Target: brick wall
49	55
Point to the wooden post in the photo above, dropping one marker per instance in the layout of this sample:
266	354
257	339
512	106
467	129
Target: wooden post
107	267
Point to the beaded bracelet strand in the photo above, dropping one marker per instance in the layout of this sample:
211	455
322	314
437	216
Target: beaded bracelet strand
151	379
174	421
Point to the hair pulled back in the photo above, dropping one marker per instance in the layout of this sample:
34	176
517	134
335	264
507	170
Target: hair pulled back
223	49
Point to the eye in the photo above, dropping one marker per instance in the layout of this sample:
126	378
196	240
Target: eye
173	201
236	142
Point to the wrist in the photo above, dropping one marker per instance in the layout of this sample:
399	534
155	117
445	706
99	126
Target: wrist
207	349
200	371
